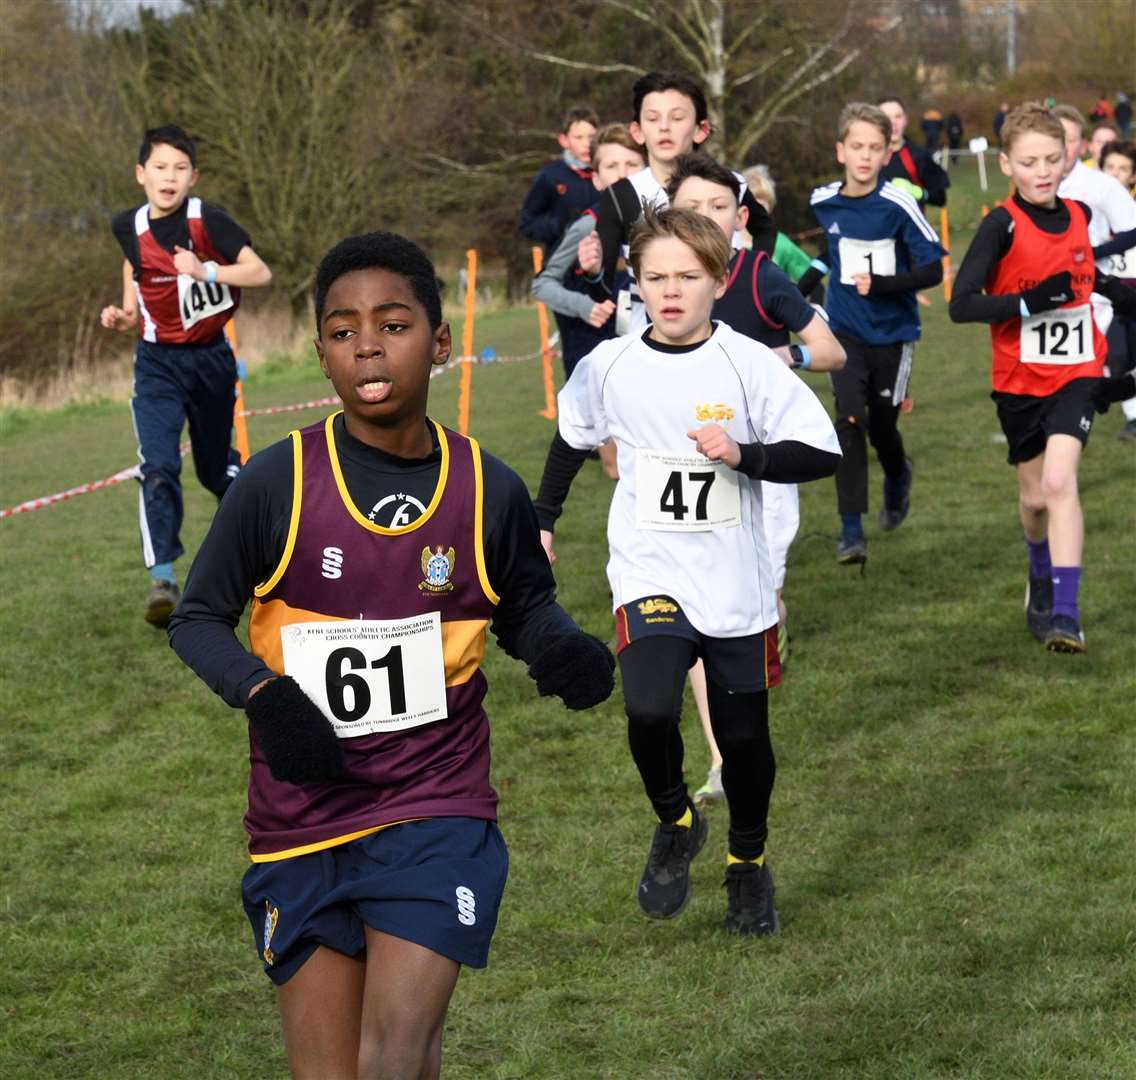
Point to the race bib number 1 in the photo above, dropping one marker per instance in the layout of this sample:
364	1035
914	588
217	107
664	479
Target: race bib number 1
368	676
865	257
685	493
1064	336
200	299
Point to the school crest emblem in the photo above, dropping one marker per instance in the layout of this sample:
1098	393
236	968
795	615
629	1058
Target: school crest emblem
657	605
561	189
271	917
437	569
1078	255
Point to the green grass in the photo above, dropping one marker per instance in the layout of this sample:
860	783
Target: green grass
951	830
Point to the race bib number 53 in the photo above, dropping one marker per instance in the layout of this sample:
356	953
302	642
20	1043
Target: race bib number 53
200	299
370	675
685	493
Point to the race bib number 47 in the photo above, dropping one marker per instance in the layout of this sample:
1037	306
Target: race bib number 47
369	676
685	493
200	299
865	257
1064	336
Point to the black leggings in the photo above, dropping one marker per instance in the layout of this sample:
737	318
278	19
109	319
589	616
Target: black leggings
654	672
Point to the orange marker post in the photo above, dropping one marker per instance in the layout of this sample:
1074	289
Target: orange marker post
467	342
549	410
945	232
985	209
239	425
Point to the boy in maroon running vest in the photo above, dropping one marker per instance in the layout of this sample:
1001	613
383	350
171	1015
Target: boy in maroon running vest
1033	259
376	547
184	267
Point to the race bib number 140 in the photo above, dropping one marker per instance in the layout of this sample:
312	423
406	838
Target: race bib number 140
200	299
369	676
685	493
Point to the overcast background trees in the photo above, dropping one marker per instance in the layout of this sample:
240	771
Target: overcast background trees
315	118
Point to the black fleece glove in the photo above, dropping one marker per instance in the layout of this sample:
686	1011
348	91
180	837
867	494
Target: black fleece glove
1113	388
299	744
1055	290
577	668
1123	296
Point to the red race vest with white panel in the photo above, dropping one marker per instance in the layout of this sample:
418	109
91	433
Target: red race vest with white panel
1039	354
173	308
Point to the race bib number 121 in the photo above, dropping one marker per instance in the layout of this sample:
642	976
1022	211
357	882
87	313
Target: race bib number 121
1064	336
369	676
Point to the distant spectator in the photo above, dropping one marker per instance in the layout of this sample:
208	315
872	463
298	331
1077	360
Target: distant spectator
932	126
1123	115
954	134
911	167
1000	119
1102	110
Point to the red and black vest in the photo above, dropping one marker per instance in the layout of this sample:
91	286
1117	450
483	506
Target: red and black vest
338	565
1035	255
175	309
740	306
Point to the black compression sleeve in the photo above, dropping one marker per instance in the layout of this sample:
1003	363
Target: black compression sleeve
922	277
1119	244
968	302
560	468
786	462
612	231
760	225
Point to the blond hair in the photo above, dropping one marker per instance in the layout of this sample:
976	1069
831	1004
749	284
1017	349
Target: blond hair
1073	115
699	233
615	135
761	186
869	114
1033	116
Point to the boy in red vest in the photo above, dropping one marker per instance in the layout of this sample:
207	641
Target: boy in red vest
1029	273
184	267
377	548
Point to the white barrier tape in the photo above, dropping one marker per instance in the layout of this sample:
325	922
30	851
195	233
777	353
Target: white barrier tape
133	472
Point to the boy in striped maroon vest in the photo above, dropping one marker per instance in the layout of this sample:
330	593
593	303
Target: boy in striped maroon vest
376	546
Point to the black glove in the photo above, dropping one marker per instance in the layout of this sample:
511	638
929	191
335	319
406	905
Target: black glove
810	279
299	744
1123	296
1055	290
1113	388
577	668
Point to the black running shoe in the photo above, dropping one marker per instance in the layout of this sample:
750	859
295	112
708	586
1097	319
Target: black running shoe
1064	635
893	514
749	905
851	552
160	603
1039	606
664	888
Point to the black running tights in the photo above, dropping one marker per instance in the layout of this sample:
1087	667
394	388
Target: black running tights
654	673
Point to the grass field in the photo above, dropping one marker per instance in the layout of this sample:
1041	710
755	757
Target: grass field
952	829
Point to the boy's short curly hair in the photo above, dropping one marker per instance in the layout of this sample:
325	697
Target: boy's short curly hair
384	251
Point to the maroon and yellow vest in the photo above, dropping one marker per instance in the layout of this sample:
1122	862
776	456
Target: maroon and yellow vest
338	566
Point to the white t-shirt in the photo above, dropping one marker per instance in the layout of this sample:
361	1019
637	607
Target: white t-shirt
646	400
1114	211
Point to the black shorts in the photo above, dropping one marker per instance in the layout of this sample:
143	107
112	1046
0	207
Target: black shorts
742	665
873	375
1028	421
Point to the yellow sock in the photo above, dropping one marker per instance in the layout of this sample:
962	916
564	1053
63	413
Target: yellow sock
687	819
759	861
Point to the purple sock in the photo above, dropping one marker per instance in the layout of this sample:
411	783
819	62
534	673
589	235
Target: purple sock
1039	564
1066	583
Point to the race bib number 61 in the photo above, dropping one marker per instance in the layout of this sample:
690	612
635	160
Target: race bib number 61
685	493
368	676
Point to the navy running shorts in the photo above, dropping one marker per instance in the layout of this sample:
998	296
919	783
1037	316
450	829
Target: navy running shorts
437	882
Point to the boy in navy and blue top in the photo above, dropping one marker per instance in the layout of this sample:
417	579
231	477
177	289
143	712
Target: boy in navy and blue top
185	263
881	251
377	548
